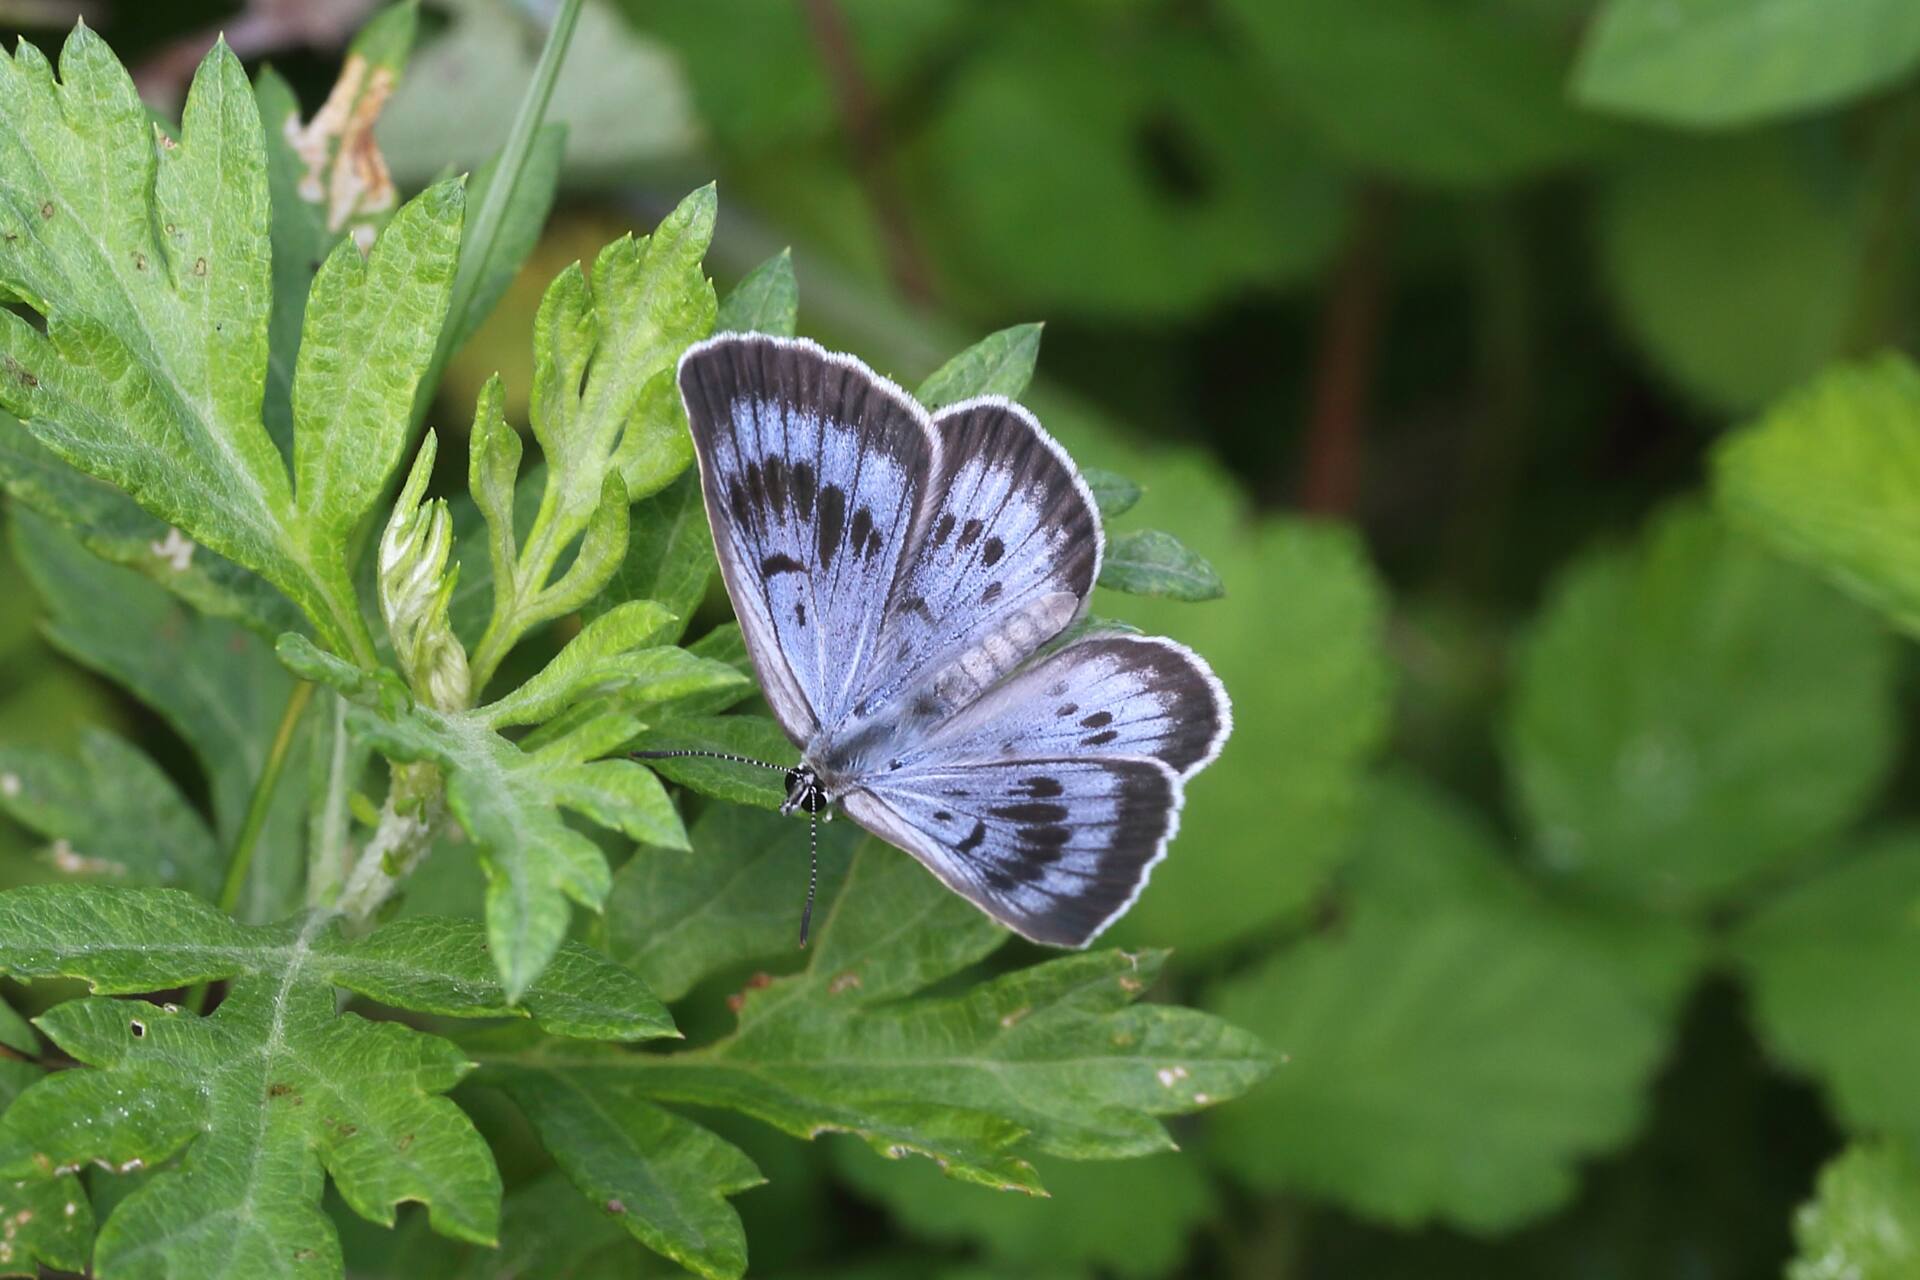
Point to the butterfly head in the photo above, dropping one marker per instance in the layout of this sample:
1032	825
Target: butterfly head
804	792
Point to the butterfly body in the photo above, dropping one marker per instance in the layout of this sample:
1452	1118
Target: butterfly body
902	581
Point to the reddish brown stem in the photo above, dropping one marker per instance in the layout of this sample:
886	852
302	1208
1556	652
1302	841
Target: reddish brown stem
906	263
1349	332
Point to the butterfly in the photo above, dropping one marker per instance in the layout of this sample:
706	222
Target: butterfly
903	582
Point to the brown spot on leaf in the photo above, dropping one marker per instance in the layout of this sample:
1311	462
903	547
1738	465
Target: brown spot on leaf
848	981
46	210
615	1207
345	171
279	1089
200	266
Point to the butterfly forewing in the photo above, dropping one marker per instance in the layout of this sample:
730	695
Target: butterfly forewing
1006	552
1054	849
813	470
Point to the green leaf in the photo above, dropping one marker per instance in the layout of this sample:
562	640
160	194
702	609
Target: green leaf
767	300
416	587
669	556
1692	715
262	1096
509	801
274	1085
1831	477
327	180
1000	364
614	661
1717	63
1128	100
605	413
1826	963
754	737
664	1178
1129	1218
676	917
1734	263
1450	1009
149	259
1055	1059
370	330
47	1216
1462	92
1147	562
1113	493
1311	691
112	814
214	683
15	1034
521	223
1864	1223
123	941
115	528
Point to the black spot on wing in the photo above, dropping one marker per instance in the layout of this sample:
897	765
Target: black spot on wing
1031	811
916	604
1098	720
1042	787
991	553
941	815
833	514
1067	708
774	565
943	531
776	482
1100	739
739	503
970	532
862	526
800	613
973	838
992	593
801	487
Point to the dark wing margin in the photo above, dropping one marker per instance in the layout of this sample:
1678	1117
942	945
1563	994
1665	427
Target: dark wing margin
813	469
1055	850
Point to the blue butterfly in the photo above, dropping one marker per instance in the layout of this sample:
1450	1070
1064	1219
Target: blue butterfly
900	579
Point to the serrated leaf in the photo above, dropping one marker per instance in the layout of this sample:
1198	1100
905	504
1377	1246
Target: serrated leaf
1113	493
1000	364
115	528
1719	63
1864	1223
676	917
1449	1009
755	737
47	1217
604	411
274	1086
371	326
1831	477
1129	1218
149	258
214	683
509	801
123	941
1055	1059
1692	715
669	556
1825	962
111	813
1147	562
617	661
327	179
1735	263
664	1178
767	300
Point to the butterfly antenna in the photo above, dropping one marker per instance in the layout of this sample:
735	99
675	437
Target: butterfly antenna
813	874
711	755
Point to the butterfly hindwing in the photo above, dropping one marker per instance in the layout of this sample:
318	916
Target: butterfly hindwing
1118	695
1055	849
813	470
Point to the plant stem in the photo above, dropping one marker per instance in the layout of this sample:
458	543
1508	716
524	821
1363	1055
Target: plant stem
240	861
1348	333
408	822
482	234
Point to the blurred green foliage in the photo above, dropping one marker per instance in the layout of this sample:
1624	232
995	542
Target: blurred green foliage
1564	847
